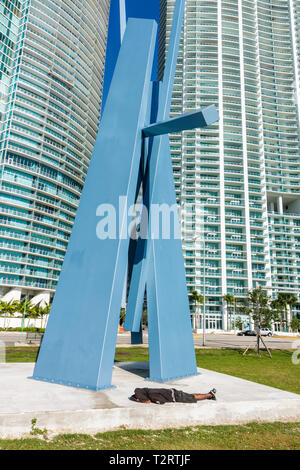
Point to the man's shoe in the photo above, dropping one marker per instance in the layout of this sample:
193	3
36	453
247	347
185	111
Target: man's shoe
213	394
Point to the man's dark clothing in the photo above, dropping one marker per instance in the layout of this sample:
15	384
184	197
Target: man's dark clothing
162	395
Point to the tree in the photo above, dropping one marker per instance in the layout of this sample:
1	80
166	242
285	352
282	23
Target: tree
288	300
243	308
122	316
237	302
258	307
8	310
239	323
229	299
194	297
261	312
43	312
295	325
3	310
145	317
2	307
32	312
198	300
25	307
278	308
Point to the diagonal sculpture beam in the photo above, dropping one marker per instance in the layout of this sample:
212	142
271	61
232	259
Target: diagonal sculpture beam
161	98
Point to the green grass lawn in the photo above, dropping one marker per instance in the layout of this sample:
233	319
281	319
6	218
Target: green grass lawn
270	436
278	372
21	354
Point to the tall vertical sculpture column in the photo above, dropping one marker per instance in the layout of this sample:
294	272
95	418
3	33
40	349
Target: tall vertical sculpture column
132	148
159	264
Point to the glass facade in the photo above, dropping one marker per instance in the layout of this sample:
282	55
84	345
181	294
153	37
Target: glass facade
238	182
52	66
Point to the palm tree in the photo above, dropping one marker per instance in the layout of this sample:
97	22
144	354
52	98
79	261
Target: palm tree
292	300
43	312
122	316
194	297
28	311
3	310
2	306
229	299
26	308
288	300
8	310
32	312
198	300
236	302
278	308
295	325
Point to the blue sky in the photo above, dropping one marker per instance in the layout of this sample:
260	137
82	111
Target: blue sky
135	9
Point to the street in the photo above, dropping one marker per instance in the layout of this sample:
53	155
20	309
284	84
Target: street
233	341
216	341
219	341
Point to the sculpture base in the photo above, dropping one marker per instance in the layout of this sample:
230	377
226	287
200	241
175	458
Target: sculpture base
169	379
64	410
71	384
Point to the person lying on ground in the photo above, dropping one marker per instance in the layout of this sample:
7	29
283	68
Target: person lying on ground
165	395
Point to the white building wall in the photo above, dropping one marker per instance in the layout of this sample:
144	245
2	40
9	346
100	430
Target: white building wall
239	179
52	81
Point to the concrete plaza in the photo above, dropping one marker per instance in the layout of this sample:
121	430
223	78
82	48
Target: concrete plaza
62	409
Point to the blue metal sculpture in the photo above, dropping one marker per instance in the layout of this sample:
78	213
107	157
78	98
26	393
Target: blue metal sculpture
132	149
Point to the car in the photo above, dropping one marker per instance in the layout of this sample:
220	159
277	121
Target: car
266	332
247	333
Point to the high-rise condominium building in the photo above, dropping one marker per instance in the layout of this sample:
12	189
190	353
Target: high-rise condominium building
52	66
238	181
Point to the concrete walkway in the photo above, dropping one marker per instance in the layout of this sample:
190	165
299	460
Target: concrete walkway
62	409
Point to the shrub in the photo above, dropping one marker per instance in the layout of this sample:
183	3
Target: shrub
31	329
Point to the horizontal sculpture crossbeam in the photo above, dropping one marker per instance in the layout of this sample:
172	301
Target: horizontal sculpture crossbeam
132	154
201	118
